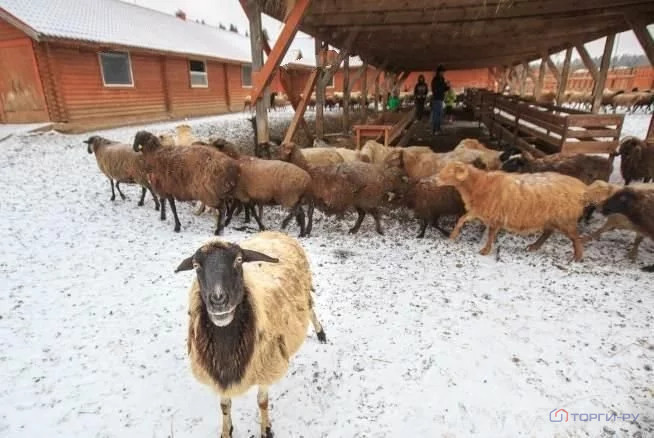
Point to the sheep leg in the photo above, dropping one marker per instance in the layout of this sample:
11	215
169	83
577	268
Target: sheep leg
320	332
609	225
230	212
588	213
113	193
633	253
226	408
199	209
576	243
260	208
434	223
459	225
220	213
173	208
154	197
423	228
492	234
142	200
309	219
538	243
378	226
357	224
649	268
262	401
299	218
288	218
256	216
122	196
163	209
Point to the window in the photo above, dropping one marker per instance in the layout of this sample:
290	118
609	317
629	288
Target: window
330	84
198	72
116	69
246	75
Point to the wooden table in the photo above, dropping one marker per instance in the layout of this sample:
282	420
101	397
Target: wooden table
372	131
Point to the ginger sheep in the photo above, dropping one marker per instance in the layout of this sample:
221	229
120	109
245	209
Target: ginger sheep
118	162
637	160
430	202
521	203
198	173
249	309
638	207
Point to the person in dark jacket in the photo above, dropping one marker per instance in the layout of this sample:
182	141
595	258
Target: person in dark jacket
438	88
420	96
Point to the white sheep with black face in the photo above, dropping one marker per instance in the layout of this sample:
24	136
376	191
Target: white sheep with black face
249	305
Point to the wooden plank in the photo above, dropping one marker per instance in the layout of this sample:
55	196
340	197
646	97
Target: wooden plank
592	133
563	83
346	95
595	120
639	26
364	90
588	61
320	90
400	126
377	78
302	106
603	73
589	147
553	68
256	45
262	75
293	97
650	132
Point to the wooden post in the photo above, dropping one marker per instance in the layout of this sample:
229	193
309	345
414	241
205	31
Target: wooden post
377	91
541	78
639	27
320	93
560	93
588	61
603	73
302	105
228	96
364	91
346	94
256	44
650	132
523	79
294	98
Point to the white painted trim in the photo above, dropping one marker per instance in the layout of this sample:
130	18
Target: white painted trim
131	72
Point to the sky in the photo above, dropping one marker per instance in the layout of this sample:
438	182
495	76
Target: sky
230	12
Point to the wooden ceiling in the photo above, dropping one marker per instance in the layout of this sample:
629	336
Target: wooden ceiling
419	35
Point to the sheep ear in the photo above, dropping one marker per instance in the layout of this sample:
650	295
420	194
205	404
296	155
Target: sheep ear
186	265
255	256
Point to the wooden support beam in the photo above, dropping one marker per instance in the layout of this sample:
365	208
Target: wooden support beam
364	90
320	90
603	73
294	98
377	89
639	26
328	73
262	76
302	105
650	132
541	77
523	79
565	72
553	69
346	95
588	61
400	80
256	45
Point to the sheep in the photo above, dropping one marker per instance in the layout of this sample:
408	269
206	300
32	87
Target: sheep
429	202
548	97
335	188
120	163
617	221
377	153
247	103
638	207
196	173
586	168
521	203
626	100
637	160
249	309
261	148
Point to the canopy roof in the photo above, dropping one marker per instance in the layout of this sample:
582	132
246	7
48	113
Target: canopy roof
421	34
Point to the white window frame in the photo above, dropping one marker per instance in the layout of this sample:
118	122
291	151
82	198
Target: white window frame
206	74
242	82
131	72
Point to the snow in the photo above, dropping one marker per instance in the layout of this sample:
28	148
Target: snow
426	337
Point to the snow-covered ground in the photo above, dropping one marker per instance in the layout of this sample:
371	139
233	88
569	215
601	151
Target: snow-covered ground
426	337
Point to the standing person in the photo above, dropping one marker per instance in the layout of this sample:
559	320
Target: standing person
450	100
420	95
438	89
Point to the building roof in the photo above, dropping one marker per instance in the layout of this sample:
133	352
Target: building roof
117	23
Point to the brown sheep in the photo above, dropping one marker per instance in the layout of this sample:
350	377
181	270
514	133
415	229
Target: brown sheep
625	100
522	203
586	168
197	173
429	202
637	160
336	188
638	207
120	163
617	221
548	97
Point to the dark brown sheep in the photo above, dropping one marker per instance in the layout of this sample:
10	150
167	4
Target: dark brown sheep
587	168
638	207
429	202
637	160
198	173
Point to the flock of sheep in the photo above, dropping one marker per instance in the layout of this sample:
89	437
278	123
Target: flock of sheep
250	304
627	101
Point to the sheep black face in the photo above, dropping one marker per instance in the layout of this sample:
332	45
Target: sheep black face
515	164
145	140
93	141
631	148
219	269
620	202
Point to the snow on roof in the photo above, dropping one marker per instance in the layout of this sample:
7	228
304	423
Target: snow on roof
129	25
